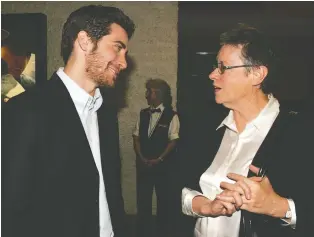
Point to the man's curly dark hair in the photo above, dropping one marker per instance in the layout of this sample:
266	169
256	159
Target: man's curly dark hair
96	22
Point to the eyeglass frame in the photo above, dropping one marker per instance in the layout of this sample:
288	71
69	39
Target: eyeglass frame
224	67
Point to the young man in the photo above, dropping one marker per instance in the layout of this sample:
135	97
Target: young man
60	157
155	140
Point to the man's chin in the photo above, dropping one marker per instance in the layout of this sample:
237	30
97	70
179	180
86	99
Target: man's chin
107	85
107	82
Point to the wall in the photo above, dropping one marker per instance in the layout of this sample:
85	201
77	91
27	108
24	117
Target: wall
153	50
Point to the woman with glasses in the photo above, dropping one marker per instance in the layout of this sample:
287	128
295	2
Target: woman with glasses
222	187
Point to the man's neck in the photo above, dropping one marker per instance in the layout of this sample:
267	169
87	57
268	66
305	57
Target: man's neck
77	73
155	105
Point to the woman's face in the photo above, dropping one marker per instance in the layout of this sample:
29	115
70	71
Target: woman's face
234	85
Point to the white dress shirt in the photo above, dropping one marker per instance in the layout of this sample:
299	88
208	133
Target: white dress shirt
235	154
174	127
87	106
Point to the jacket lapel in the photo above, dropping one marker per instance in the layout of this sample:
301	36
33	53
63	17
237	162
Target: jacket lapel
108	140
71	127
267	150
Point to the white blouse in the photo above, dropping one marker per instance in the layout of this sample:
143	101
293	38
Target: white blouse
235	154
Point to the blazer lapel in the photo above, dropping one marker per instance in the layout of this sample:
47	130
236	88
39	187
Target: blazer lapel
73	132
108	139
267	150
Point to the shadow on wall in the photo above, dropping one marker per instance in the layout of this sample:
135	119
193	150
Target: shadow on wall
117	96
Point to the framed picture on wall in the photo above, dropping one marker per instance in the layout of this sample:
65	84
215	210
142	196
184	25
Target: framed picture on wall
23	52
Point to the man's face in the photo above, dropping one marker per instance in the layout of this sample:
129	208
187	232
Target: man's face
16	63
234	85
151	97
104	64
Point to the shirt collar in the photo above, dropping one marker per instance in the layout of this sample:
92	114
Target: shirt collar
271	107
82	100
161	107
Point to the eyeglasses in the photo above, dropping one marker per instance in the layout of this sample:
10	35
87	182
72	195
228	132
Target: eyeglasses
222	68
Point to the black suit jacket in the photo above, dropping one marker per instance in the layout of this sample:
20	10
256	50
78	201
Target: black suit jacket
50	183
286	151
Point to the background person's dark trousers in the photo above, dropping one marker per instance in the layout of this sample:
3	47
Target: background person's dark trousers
146	180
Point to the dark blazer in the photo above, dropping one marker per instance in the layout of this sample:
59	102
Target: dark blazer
50	183
286	152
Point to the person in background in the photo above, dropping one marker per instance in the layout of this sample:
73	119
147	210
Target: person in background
17	58
61	169
9	86
155	139
222	190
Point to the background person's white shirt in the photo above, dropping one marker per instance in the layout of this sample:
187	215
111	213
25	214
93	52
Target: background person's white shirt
235	154
174	127
87	106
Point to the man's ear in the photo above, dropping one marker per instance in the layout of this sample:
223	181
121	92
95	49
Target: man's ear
259	74
83	40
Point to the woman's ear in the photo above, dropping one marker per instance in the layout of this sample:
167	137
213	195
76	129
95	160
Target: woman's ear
259	74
